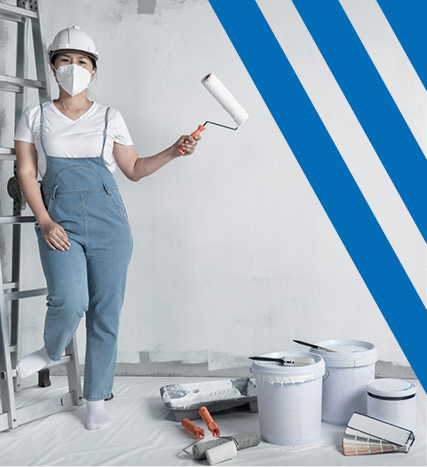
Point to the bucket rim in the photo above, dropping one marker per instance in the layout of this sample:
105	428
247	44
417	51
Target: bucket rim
391	388
305	373
347	359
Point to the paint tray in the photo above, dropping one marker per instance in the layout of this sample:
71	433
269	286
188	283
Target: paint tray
184	400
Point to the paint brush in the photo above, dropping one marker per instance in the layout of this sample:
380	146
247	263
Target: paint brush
317	347
288	361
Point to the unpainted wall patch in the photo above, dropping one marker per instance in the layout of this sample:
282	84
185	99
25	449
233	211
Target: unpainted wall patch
146	7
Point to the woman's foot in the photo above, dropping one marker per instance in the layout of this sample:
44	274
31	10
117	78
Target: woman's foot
32	363
96	416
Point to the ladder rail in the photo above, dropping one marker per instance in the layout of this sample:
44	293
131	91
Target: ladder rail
6	381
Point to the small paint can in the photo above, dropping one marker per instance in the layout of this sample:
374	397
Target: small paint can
393	400
289	398
348	370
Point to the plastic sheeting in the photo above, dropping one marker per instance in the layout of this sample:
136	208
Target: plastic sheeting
144	432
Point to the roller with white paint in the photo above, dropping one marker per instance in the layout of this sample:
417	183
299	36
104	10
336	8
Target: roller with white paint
221	453
227	101
223	448
241	441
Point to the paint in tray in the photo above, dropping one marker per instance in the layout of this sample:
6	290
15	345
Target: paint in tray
184	400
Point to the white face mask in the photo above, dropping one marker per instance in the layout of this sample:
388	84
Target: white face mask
73	78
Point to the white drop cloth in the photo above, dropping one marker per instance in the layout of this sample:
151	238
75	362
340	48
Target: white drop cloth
144	433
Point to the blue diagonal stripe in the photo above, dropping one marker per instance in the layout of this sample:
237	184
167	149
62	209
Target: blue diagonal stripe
408	21
328	175
371	102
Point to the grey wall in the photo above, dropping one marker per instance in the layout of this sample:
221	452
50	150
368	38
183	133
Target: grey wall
233	255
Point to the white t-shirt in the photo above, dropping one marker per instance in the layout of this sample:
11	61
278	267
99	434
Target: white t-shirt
63	137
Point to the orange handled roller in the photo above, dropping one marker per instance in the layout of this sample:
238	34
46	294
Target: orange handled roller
192	428
227	101
195	133
213	428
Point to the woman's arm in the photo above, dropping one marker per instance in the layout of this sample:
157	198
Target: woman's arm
26	156
135	167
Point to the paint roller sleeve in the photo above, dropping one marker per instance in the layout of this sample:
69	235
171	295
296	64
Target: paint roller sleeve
221	453
225	98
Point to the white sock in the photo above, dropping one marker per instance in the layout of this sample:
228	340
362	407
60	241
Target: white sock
96	416
32	363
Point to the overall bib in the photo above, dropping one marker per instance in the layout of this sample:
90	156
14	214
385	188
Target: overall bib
81	195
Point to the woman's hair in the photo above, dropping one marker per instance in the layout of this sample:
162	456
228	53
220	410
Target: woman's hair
55	55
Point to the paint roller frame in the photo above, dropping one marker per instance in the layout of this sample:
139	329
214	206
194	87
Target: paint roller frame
228	103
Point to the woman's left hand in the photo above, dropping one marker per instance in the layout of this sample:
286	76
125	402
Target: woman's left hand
188	144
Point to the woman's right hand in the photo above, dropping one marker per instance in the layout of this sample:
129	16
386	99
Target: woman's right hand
55	235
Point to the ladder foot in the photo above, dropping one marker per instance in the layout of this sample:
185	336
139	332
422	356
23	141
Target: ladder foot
44	379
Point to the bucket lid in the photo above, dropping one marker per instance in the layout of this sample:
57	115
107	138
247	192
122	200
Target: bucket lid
352	353
391	388
289	374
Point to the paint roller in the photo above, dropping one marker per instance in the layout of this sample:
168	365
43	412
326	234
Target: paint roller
228	102
223	447
240	441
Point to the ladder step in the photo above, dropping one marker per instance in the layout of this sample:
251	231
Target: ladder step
10	285
14	13
25	294
17	219
7	154
14	84
64	359
45	408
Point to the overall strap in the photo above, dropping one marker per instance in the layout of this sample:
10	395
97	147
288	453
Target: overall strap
41	130
105	133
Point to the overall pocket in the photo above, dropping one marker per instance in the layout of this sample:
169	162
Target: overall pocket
118	204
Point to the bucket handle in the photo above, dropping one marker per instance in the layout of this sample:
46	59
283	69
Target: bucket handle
326	375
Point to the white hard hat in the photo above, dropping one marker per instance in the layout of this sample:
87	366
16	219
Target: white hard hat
73	39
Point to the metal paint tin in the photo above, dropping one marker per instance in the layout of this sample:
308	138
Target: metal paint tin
393	401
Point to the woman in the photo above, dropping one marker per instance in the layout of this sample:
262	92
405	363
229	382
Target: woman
83	233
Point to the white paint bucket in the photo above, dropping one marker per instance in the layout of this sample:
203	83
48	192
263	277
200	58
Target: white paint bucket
289	399
347	373
393	401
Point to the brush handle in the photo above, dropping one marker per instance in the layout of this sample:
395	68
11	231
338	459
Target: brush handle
314	346
213	427
195	133
192	428
295	361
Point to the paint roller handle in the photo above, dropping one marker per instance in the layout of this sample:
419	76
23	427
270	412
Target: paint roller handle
213	427
192	428
195	133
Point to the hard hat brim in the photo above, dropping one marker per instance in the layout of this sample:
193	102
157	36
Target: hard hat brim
83	52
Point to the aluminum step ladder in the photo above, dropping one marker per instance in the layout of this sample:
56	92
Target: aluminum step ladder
27	15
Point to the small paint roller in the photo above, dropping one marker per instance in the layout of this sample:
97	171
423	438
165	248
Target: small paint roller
228	102
224	447
241	441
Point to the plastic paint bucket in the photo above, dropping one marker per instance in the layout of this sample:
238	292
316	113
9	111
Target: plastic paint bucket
289	399
393	401
347	373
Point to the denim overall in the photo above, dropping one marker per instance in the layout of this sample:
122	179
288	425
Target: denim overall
81	195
